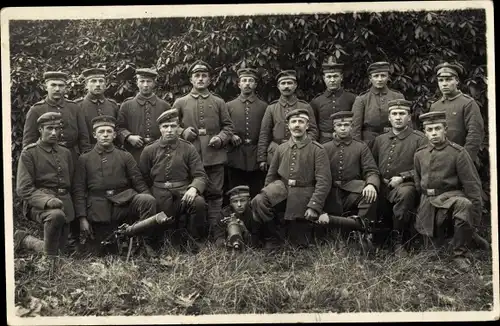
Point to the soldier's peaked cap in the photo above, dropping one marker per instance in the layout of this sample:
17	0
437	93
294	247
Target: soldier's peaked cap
199	65
287	74
399	104
342	115
247	72
303	113
57	75
330	65
238	191
433	117
380	66
49	118
146	72
94	72
168	115
103	120
449	69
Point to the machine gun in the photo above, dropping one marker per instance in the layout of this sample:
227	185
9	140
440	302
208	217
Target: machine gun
236	231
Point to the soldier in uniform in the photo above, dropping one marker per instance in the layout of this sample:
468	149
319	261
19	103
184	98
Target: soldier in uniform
274	130
299	175
44	176
137	115
393	152
208	126
371	107
332	100
449	186
173	169
355	175
95	103
246	112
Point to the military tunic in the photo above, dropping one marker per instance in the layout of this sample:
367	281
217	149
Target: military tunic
371	113
274	128
326	104
137	116
464	120
92	107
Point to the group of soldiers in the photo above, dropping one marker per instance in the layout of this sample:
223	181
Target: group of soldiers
286	167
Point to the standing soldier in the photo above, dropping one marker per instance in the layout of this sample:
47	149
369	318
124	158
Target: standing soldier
371	107
274	130
43	180
449	185
173	169
137	116
333	100
94	103
109	188
299	176
246	112
207	124
393	152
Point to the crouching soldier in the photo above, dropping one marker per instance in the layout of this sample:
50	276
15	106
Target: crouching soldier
109	188
44	177
299	176
449	186
174	170
236	225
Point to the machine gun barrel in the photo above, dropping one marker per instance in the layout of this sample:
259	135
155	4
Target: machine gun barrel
353	223
145	225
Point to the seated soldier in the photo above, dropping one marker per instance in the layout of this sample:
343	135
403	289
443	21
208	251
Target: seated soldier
109	188
236	216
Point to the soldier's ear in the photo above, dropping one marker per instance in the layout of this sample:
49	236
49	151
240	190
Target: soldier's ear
94	134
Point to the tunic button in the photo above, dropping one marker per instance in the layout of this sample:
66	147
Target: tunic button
386	170
340	162
293	163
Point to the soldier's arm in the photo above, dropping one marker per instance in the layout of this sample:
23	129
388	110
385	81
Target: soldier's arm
272	173
312	131
375	150
417	177
25	187
30	132
323	178
134	175
197	171
266	130
369	167
80	188
474	125
145	165
410	174
470	181
122	124
315	107
83	132
178	106
358	110
227	126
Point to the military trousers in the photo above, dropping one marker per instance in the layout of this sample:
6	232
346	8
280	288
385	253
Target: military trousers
400	203
55	229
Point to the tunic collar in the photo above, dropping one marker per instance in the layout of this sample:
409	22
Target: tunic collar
194	93
244	99
346	141
50	102
95	99
169	143
379	91
100	149
457	95
338	92
300	144
142	100
291	101
402	135
46	146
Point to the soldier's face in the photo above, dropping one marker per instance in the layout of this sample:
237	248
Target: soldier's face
145	85
239	204
333	80
169	129
448	84
342	128
379	79
200	80
55	89
436	133
50	133
399	119
96	86
287	87
104	135
247	85
298	126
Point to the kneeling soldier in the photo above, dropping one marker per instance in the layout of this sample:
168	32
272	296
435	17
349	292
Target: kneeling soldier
109	188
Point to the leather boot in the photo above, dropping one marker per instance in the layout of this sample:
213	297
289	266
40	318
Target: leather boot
398	245
27	241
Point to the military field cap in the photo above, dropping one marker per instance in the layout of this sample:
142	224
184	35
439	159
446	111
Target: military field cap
287	74
342	116
58	75
247	72
49	118
399	104
433	117
94	72
381	66
103	120
448	69
331	66
167	116
198	66
302	113
146	72
238	191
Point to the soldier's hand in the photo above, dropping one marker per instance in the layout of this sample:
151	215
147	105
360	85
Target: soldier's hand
236	140
189	134
323	219
370	193
263	166
54	203
135	140
395	181
311	214
215	142
189	196
85	228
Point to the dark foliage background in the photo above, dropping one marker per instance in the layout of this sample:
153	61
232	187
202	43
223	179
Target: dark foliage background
413	42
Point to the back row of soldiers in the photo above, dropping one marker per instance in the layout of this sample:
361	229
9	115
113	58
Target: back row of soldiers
176	156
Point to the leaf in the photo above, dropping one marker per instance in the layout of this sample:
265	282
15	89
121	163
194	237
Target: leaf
446	299
187	301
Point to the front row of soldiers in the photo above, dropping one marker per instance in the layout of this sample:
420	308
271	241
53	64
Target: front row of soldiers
306	184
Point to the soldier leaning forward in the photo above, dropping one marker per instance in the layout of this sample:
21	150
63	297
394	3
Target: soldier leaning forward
109	188
299	177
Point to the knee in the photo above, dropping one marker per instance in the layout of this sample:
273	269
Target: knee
199	203
56	216
146	199
406	194
258	201
463	204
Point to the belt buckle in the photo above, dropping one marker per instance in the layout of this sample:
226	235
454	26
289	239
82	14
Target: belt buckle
148	140
61	191
338	182
202	132
431	192
168	184
387	129
292	183
110	192
248	141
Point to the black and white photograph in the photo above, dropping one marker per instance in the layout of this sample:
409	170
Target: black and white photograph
250	163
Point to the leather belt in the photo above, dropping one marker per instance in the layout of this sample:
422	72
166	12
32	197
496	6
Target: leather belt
248	141
298	183
338	182
169	185
436	192
376	129
326	134
58	191
202	132
106	192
